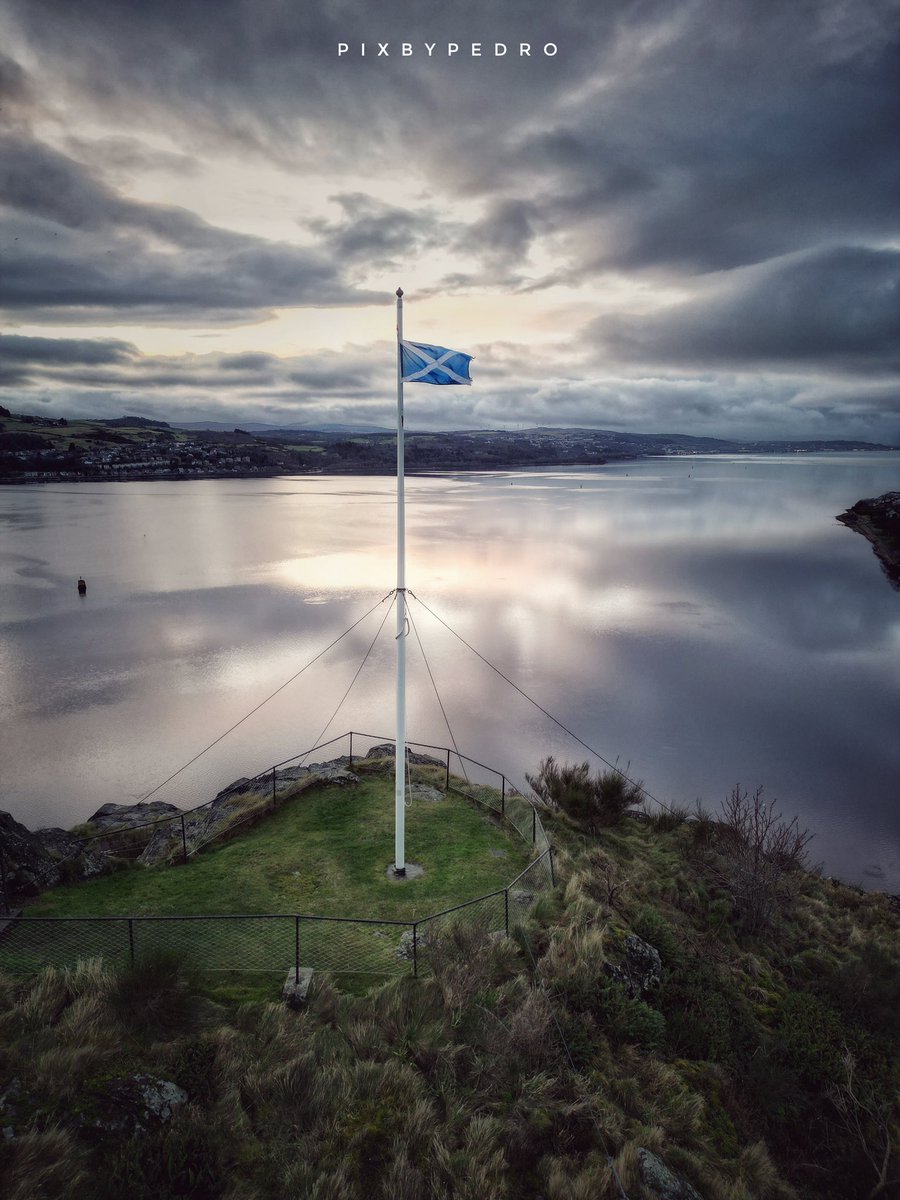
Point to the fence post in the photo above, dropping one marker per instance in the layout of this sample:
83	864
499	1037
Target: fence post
447	776
297	951
533	824
183	841
415	950
503	795
351	748
274	792
552	872
506	910
131	939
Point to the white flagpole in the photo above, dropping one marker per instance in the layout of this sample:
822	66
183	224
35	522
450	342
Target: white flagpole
400	751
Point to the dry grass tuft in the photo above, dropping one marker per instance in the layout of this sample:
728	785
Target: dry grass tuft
42	1165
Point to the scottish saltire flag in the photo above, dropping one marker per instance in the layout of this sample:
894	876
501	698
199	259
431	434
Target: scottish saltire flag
433	364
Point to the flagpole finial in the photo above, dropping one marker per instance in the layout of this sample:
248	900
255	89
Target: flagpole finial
399	293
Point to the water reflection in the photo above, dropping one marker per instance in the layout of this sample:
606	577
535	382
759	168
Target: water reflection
706	620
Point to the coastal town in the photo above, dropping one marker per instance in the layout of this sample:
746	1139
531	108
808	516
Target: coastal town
36	449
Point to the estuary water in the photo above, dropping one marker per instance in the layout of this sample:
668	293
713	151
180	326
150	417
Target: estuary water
702	621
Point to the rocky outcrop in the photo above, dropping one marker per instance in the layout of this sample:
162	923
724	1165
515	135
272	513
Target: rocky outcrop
129	816
421	791
661	1182
40	860
35	861
29	867
240	801
128	1106
87	862
386	750
134	1105
878	520
641	969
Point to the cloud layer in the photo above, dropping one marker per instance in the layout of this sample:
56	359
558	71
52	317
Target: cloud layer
708	190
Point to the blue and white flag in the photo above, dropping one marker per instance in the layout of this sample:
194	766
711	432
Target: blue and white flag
433	364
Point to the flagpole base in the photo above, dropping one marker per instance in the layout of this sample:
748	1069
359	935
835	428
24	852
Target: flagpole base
404	874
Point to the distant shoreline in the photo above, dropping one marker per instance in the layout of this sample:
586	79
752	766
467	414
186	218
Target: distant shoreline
377	471
36	449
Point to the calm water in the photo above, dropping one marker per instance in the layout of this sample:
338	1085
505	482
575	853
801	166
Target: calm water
705	620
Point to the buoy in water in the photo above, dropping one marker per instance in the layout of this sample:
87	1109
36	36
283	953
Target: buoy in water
82	587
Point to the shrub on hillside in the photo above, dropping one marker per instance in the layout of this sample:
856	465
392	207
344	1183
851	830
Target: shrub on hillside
155	994
592	801
698	1011
763	854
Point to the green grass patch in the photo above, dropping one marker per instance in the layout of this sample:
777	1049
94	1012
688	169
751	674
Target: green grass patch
234	988
324	854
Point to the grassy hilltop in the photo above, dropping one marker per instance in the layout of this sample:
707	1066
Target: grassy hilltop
756	1059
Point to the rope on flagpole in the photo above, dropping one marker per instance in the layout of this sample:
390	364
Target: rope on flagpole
612	766
438	695
271	696
318	741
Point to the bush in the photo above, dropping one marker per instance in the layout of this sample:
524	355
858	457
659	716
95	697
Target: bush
592	801
664	820
648	924
698	1012
155	995
865	987
812	1038
763	854
187	1158
625	1020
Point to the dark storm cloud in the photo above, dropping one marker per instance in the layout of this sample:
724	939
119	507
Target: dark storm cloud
60	367
266	76
704	135
728	134
72	243
318	378
375	234
699	136
12	376
837	309
323	387
14	84
247	362
42	350
742	151
503	236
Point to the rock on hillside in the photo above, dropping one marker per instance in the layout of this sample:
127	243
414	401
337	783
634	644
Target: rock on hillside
386	750
129	816
35	861
240	801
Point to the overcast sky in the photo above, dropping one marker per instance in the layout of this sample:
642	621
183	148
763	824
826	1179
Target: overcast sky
685	219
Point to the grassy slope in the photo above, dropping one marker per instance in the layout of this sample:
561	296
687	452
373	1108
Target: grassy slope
84	434
457	1086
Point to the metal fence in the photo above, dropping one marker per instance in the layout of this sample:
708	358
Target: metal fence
283	942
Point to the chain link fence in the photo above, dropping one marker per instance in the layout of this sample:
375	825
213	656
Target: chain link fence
284	942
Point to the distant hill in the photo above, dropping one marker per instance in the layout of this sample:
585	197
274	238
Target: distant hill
263	427
35	448
135	422
613	441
